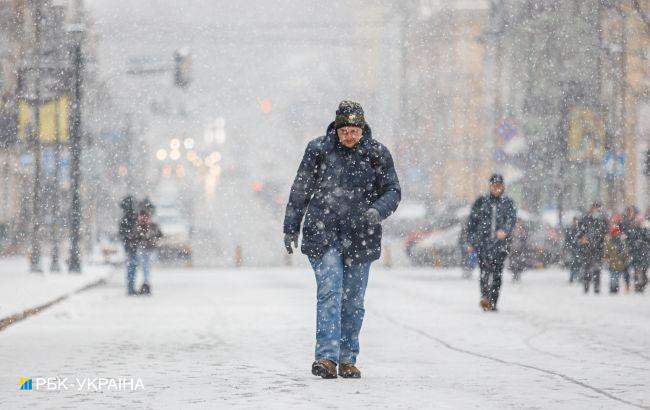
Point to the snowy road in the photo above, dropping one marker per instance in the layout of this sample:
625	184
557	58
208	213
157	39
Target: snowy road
217	338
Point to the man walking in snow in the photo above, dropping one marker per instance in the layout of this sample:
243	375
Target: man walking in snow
592	230
489	228
345	186
127	232
638	244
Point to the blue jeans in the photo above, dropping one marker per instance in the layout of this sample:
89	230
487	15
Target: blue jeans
131	267
144	256
614	275
339	309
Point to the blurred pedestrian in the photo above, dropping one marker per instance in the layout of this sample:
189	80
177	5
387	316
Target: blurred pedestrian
468	260
489	227
572	250
127	232
592	230
147	236
519	251
346	185
616	256
637	238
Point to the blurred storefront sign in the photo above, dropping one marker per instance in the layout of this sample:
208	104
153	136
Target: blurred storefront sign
614	164
53	120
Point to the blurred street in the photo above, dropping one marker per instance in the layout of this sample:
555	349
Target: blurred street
213	338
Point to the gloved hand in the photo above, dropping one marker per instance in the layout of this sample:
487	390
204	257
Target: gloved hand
288	239
373	217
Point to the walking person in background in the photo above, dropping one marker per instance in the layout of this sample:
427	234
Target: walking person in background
147	236
572	250
519	251
616	256
591	240
468	259
345	186
489	228
637	239
127	232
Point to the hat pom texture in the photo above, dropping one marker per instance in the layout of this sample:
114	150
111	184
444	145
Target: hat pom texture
349	114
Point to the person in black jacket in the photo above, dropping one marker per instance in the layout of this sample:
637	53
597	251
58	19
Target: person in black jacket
148	234
572	250
490	226
128	235
345	186
592	230
519	250
637	239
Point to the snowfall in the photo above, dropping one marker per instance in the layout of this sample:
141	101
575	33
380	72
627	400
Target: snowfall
244	338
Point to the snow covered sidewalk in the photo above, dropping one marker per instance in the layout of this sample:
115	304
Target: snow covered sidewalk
244	339
21	290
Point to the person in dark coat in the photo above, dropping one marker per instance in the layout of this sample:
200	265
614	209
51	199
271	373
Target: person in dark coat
468	259
148	235
127	232
519	250
616	256
490	226
572	250
345	186
592	230
637	239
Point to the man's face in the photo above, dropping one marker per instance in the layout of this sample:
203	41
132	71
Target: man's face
497	189
349	136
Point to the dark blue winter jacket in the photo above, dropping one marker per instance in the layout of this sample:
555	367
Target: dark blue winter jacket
490	214
334	187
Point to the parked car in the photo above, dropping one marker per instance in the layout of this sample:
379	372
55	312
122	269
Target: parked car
176	241
437	243
437	248
545	244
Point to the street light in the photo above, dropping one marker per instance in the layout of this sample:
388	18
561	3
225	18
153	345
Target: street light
76	33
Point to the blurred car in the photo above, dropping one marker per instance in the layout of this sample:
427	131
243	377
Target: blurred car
176	241
545	245
438	248
437	242
409	217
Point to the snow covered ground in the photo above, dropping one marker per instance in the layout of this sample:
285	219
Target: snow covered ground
21	290
244	338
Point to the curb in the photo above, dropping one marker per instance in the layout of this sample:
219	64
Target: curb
17	317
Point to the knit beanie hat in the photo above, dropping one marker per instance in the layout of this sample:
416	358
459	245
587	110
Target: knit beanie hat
496	179
349	114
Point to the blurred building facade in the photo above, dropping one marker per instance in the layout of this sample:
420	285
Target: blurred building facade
8	114
446	150
36	74
571	77
551	94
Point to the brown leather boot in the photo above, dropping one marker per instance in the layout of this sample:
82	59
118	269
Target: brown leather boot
324	368
349	371
485	304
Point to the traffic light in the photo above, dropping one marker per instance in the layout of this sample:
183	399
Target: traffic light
182	67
